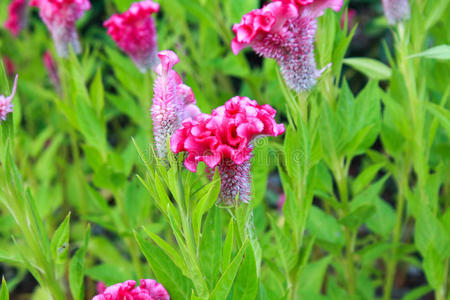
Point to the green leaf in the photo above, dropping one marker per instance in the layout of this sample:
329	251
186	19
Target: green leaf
228	245
442	114
59	245
370	67
92	128
434	267
326	227
312	275
441	52
246	283
4	294
417	293
223	286
166	272
77	268
366	176
211	246
428	232
97	93
109	273
237	8
358	216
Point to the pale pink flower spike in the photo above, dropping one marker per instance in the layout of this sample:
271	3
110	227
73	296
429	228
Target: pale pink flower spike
134	31
60	17
284	30
6	105
173	102
224	140
148	290
396	10
17	16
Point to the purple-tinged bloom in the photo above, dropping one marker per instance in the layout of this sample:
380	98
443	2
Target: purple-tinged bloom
396	10
6	105
60	17
173	101
148	290
284	30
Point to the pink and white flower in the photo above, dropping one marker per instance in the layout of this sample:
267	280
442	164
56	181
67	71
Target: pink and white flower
224	140
17	16
396	10
135	33
173	102
6	105
148	290
60	17
284	30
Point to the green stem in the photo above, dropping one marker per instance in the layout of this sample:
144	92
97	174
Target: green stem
392	263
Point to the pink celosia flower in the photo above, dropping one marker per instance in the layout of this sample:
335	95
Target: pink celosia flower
284	30
172	101
224	140
6	106
17	16
135	33
52	70
9	66
396	10
60	17
148	290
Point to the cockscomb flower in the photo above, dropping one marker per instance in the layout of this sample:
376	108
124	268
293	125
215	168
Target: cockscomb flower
6	105
60	17
52	70
396	10
224	140
173	102
284	30
148	290
134	32
17	16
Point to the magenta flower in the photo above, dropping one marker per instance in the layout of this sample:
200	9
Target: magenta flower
60	17
224	139
172	102
135	33
17	16
52	70
6	106
148	290
10	67
396	10
284	30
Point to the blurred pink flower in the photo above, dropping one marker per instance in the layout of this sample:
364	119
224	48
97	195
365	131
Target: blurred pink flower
60	17
173	101
224	140
284	30
10	68
396	10
52	70
17	16
135	33
6	106
350	16
148	290
281	201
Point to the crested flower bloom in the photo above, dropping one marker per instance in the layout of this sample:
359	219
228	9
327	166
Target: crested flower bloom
60	17
52	70
224	140
284	30
134	32
6	105
17	16
173	101
148	290
396	10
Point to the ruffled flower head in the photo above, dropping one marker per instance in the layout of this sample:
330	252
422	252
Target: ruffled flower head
17	16
148	290
6	105
284	30
60	17
135	33
396	10
224	139
173	101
